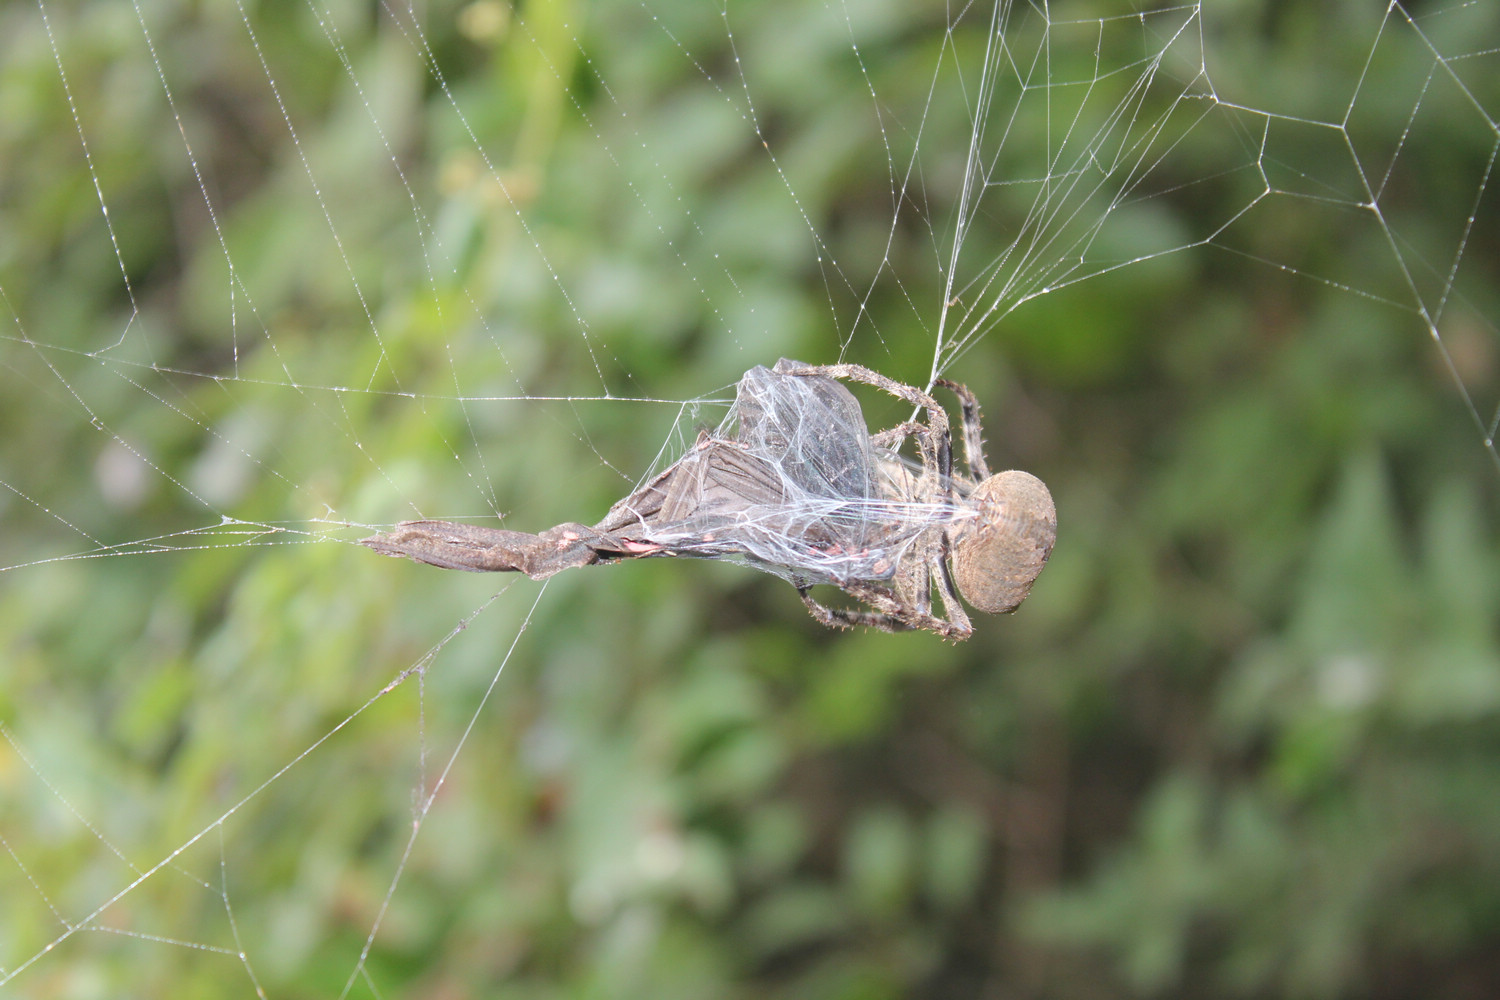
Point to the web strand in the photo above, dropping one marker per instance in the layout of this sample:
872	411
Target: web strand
430	266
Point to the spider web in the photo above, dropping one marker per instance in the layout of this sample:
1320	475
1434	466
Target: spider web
333	279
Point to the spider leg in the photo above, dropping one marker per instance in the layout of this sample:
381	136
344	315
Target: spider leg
859	373
888	615
937	450
927	563
851	618
958	618
893	437
973	431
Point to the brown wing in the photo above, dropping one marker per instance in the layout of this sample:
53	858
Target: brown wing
712	484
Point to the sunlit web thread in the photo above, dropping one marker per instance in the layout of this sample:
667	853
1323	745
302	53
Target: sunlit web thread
899	192
374	327
672	244
88	157
430	796
1431	315
1045	253
417	39
423	231
707	77
213	217
423	227
415	36
125	277
826	257
461	397
90	920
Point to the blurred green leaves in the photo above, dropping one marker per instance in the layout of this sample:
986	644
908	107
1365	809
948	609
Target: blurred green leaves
1337	742
1239	742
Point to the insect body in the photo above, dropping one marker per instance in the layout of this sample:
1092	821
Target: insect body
793	483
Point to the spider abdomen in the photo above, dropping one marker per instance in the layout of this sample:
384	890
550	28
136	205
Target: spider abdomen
997	557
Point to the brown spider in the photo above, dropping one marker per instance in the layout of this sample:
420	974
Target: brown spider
793	483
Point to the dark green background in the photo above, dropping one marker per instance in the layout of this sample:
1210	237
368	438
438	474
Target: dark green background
1240	742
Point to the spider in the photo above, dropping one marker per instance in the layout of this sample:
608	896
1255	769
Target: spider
793	483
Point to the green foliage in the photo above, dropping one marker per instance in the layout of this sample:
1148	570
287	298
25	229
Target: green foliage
1240	741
